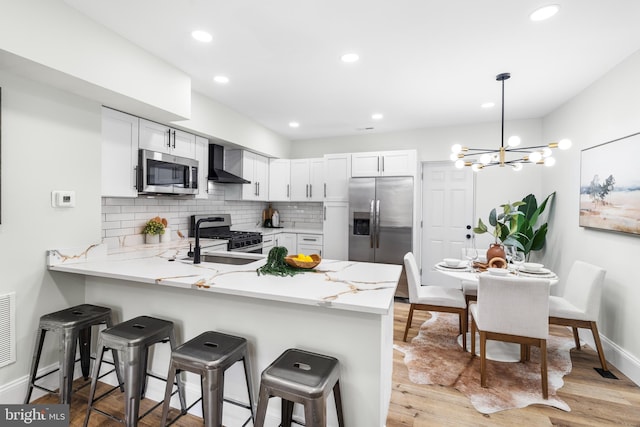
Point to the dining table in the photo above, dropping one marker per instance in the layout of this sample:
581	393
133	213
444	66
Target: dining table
465	272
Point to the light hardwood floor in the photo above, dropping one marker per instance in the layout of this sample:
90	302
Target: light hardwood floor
594	401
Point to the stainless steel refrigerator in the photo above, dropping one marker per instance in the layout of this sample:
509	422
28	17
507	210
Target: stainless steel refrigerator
380	219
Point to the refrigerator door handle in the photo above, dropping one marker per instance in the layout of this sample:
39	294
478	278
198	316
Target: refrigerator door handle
377	224
372	230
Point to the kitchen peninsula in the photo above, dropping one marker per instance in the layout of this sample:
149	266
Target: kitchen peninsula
343	309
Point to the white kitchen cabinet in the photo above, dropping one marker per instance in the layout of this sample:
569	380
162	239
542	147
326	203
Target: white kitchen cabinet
309	244
337	171
158	137
202	156
384	163
252	167
307	180
279	180
268	242
289	241
336	230
119	154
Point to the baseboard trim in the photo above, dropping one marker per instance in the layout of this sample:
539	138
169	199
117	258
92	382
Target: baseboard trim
625	362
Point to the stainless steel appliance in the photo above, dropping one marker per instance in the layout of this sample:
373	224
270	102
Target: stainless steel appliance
238	241
161	173
380	219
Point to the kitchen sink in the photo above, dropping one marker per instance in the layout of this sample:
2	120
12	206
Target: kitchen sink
231	258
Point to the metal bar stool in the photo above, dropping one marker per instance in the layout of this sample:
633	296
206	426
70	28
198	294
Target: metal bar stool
209	355
133	339
299	376
73	326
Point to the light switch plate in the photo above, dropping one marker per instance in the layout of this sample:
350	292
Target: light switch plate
63	199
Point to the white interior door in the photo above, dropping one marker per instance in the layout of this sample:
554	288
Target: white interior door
447	217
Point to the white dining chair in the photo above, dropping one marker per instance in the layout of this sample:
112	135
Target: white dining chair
579	306
512	310
433	298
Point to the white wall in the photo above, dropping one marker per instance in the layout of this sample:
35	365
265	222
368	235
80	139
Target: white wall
48	40
607	110
50	141
212	119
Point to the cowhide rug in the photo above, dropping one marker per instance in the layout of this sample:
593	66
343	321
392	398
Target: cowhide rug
434	357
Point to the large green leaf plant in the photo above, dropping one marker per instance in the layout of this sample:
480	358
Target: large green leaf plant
530	235
517	224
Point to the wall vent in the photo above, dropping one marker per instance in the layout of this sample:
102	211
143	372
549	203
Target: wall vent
7	329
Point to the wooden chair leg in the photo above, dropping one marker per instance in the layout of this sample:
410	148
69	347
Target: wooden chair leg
576	337
596	339
473	337
409	320
463	328
543	368
483	359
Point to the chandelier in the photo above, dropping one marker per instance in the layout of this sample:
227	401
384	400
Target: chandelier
512	155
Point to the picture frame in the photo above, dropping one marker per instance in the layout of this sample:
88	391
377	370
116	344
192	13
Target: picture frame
610	186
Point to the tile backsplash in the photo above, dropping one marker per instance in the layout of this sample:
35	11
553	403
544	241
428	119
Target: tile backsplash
124	218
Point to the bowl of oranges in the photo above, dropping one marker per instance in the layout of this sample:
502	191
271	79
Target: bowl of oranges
303	261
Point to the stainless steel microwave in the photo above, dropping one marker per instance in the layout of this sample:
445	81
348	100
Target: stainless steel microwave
161	173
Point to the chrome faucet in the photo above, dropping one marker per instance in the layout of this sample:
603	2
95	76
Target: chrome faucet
196	250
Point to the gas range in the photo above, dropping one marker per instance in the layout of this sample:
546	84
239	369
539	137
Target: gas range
238	241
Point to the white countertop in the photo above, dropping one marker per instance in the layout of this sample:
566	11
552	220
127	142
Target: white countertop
344	285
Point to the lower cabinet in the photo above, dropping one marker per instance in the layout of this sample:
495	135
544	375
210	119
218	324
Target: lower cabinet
310	244
336	230
288	240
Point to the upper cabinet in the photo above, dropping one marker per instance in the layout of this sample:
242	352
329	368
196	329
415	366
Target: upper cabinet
307	183
119	154
279	180
202	156
384	163
158	137
252	167
337	171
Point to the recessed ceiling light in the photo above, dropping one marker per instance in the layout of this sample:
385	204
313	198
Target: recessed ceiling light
545	12
488	105
202	36
377	116
350	57
294	124
223	80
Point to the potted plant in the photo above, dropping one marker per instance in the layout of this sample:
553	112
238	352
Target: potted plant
530	235
153	229
505	229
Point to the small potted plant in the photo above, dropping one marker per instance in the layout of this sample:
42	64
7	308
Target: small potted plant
505	229
153	229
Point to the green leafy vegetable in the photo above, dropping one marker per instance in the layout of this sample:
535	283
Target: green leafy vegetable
276	265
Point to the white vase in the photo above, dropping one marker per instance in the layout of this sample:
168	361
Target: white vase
152	238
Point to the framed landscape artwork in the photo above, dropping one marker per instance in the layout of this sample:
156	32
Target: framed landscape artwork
610	185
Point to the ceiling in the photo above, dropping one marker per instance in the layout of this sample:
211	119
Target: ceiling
423	63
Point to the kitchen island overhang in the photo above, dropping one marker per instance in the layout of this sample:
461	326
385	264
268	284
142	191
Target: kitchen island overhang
344	309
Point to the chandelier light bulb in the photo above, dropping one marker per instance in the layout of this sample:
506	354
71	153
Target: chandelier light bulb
546	152
476	167
485	159
564	144
549	161
459	163
453	157
513	141
535	157
456	148
517	167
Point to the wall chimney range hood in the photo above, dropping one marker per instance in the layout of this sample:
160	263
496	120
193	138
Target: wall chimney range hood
216	167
